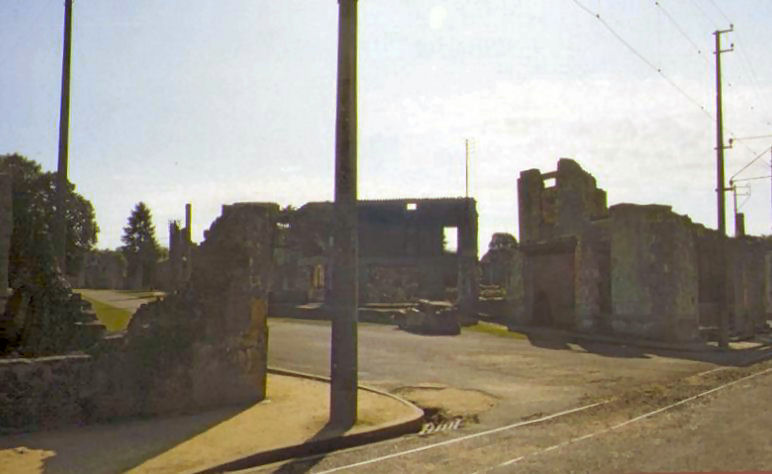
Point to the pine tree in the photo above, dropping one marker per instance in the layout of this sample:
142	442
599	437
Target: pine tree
140	248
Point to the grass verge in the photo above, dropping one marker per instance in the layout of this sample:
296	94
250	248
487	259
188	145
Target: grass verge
496	330
113	319
141	294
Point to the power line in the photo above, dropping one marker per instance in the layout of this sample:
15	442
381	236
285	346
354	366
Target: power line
681	30
751	162
702	12
752	138
720	11
748	65
658	70
643	58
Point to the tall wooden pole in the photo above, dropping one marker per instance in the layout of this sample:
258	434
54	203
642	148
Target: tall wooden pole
723	316
60	223
343	357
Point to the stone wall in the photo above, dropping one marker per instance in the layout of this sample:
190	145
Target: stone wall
105	269
635	270
592	280
44	392
176	270
748	285
768	280
400	243
654	279
200	347
548	282
564	209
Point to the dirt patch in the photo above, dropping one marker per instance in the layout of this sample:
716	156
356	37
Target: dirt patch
445	402
23	459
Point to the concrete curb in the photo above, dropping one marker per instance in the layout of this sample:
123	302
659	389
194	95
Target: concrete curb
406	425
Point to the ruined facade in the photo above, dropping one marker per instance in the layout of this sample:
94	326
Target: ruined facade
637	270
408	249
174	272
202	346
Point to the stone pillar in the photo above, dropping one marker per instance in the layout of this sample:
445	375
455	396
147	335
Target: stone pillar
188	224
529	189
468	287
654	279
6	228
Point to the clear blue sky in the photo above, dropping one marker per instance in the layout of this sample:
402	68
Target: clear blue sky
213	102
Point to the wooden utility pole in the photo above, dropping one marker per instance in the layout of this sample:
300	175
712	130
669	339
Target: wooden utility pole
345	280
60	222
723	323
466	168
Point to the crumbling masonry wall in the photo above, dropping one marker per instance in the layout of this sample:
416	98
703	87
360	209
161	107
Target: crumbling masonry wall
566	208
654	280
203	346
401	254
636	270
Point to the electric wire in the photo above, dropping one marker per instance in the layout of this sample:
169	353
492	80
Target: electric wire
644	59
720	11
754	160
658	70
747	64
702	12
682	31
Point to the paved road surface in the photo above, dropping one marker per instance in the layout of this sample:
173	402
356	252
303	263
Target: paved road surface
526	380
523	377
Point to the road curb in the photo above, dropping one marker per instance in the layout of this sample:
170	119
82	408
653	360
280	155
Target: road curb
405	425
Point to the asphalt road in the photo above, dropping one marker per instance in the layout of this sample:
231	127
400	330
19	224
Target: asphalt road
523	377
529	380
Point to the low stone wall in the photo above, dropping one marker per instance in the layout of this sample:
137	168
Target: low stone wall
115	383
43	392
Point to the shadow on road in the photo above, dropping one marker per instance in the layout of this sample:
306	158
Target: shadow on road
305	462
113	447
551	338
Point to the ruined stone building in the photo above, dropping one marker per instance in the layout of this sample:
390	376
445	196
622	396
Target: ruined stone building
639	270
174	272
408	249
200	347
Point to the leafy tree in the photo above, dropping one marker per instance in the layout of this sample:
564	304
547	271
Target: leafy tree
42	312
34	209
140	247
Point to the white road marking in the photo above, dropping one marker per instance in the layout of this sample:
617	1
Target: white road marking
464	438
633	420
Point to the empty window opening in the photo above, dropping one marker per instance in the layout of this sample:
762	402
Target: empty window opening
317	278
411	206
450	239
550	182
